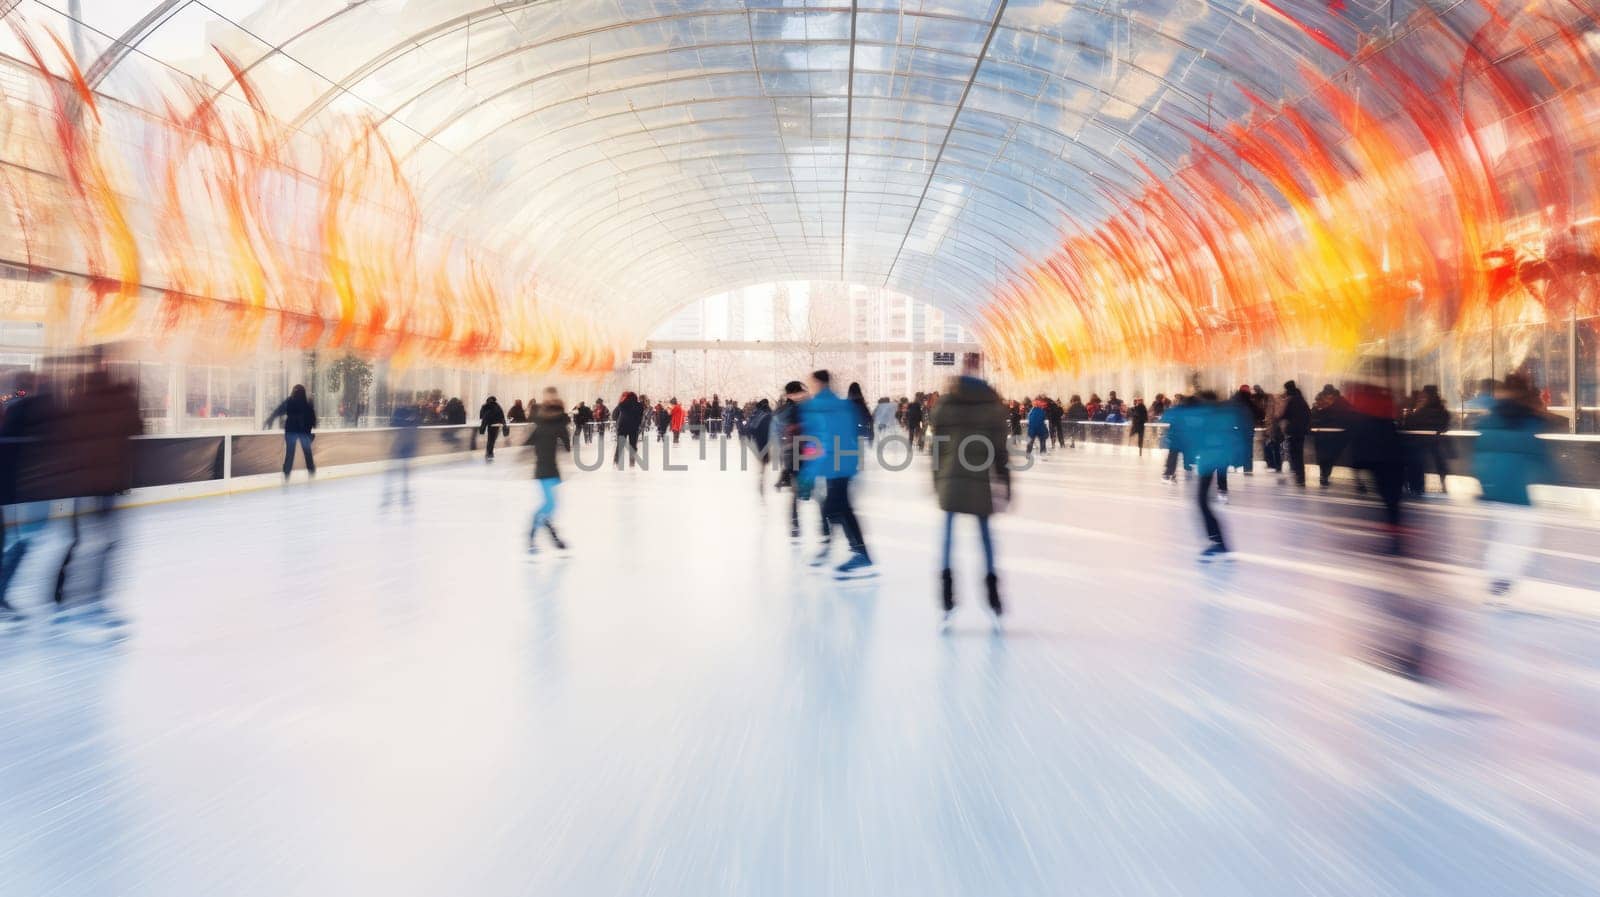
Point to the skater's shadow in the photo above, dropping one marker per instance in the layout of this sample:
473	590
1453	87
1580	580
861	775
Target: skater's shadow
989	633
1217	578
547	575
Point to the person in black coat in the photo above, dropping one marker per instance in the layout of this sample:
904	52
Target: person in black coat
516	414
629	415
299	420
582	417
550	434
1430	419
1073	417
758	430
1295	420
714	415
916	413
455	412
491	420
1331	415
859	399
1138	416
663	421
1247	403
26	416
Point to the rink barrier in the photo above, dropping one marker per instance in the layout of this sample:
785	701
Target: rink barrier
186	465
1576	457
190	465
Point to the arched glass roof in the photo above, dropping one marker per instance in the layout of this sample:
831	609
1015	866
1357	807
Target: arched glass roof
641	153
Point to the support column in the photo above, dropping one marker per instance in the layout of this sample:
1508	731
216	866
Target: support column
1572	370
177	377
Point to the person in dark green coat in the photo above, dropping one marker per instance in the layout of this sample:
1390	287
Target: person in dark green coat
970	471
1509	457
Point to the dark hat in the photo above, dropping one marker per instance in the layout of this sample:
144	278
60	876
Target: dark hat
793	386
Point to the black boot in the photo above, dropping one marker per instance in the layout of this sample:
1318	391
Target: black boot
560	545
948	590
992	583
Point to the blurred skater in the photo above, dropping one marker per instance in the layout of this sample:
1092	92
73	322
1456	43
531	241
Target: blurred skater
1430	417
1179	419
1221	436
916	416
863	416
1253	415
491	420
883	417
1508	457
299	422
970	473
403	447
629	415
550	435
677	420
1037	427
833	426
786	425
1330	416
1138	416
1402	641
1073	418
582	418
1294	419
758	431
26	417
90	455
697	418
1053	415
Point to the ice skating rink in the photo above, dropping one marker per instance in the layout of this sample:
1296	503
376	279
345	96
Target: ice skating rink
317	696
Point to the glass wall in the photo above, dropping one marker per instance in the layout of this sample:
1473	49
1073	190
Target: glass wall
217	392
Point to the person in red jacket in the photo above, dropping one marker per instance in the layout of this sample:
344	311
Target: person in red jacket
678	417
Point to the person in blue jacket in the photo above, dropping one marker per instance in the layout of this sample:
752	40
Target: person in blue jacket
1220	438
1178	419
1509	457
831	430
1038	427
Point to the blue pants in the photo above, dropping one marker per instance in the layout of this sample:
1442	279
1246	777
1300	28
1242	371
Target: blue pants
27	520
983	531
548	509
290	440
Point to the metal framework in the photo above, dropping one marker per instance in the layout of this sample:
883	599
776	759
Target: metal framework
639	154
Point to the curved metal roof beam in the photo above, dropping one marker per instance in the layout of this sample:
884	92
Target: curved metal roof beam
649	277
490	133
125	43
961	292
1078	46
461	21
584	226
570	186
425	185
644	226
607	243
559	200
